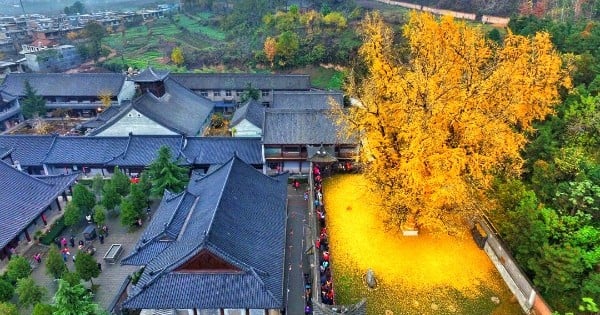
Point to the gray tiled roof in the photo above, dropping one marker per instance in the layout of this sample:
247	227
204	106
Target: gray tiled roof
142	150
299	127
37	150
231	213
179	109
5	97
86	150
252	111
28	150
61	84
4	152
24	197
240	81
306	100
218	150
103	117
150	75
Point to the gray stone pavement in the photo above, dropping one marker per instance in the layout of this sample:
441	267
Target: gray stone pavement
295	260
112	275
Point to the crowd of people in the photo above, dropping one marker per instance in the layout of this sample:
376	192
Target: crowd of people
321	247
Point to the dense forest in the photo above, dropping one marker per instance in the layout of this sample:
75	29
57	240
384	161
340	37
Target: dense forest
550	217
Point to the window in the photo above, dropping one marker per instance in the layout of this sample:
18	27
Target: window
272	152
228	93
238	93
266	104
216	93
265	93
204	93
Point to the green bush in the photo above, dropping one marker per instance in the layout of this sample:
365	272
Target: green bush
6	291
56	229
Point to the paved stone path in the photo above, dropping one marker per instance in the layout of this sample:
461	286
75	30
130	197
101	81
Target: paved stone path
295	259
112	276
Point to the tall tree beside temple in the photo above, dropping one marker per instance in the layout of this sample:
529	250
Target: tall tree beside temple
437	125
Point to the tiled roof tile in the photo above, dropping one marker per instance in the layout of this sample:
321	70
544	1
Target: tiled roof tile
317	100
252	111
24	197
240	81
232	212
61	84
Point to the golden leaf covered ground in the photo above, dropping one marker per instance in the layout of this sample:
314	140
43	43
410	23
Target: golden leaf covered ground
428	274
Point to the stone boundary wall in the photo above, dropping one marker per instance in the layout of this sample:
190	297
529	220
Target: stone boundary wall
511	273
488	19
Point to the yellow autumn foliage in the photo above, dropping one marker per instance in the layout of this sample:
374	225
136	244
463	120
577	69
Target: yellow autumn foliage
105	97
270	49
427	266
437	127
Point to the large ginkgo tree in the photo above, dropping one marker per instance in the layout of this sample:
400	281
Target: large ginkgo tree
444	112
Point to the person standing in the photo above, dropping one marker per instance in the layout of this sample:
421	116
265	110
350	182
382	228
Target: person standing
72	241
63	242
101	238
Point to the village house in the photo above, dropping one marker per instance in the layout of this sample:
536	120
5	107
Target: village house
53	59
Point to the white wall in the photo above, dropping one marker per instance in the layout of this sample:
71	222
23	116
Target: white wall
246	129
127	91
136	123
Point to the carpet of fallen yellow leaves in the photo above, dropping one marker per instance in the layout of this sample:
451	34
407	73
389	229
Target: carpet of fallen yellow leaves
428	274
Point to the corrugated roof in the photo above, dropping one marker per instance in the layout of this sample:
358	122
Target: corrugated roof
231	213
24	197
62	84
240	81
